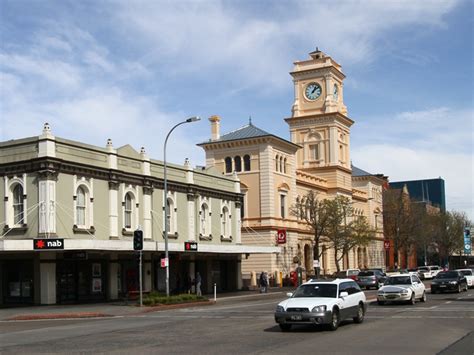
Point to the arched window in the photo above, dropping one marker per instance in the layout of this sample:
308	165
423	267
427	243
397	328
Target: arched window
128	210
281	164
314	151
284	165
169	206
247	162
238	163
204	219
81	204
228	165
277	159
18	210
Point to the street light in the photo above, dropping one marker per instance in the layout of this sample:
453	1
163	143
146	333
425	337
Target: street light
189	120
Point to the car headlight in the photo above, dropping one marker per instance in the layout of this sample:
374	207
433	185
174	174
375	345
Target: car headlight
405	292
434	283
280	309
319	309
453	282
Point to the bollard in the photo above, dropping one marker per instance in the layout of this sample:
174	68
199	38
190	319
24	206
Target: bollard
215	292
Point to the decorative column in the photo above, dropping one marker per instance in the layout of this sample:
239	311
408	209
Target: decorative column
113	191
47	201
147	195
191	216
333	146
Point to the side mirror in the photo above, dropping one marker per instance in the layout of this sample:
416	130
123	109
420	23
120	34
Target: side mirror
289	294
343	294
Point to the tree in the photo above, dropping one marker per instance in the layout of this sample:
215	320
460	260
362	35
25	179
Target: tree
346	231
400	224
448	228
315	213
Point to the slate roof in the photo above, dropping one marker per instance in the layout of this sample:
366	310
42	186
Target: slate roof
359	172
246	132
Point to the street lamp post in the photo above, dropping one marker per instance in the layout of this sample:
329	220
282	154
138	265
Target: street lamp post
189	120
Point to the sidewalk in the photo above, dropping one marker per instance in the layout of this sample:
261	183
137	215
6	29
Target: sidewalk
113	309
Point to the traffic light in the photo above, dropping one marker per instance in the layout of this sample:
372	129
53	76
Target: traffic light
138	240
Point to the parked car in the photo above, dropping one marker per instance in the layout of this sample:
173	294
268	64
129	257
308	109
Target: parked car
349	273
449	281
370	278
469	276
428	272
318	302
402	288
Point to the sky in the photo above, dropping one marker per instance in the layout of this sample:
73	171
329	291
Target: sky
130	70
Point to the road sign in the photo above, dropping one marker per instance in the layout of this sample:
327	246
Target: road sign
316	263
386	244
281	236
467	241
164	262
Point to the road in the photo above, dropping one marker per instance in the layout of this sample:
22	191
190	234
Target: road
245	325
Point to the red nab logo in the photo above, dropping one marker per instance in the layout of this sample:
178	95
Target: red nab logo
48	244
190	246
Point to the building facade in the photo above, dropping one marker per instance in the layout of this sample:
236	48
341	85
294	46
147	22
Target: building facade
70	209
275	172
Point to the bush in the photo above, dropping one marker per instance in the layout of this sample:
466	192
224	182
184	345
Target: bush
155	298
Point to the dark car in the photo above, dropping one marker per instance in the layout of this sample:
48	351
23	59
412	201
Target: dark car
449	281
370	278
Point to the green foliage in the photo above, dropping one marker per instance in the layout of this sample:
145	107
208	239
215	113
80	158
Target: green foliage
155	298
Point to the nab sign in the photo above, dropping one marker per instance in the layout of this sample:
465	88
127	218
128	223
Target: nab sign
190	246
48	244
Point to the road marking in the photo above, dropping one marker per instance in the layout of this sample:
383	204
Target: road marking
448	302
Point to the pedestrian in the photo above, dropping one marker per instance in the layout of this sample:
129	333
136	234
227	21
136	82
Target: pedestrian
198	284
263	281
187	283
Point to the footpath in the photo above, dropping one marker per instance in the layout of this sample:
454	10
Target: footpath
115	308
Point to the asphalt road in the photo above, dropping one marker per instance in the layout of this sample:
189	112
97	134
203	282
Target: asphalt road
245	325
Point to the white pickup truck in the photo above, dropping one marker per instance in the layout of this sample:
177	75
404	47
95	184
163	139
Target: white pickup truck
469	276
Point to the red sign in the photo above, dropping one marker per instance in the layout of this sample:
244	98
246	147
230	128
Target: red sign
164	262
386	244
281	236
190	246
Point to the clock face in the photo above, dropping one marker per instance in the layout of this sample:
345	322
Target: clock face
335	93
312	91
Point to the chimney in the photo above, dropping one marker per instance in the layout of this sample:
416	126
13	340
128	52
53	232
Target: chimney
215	127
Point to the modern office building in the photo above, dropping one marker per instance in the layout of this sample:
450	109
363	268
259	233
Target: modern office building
430	191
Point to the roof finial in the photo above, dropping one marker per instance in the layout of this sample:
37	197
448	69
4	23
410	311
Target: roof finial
250	120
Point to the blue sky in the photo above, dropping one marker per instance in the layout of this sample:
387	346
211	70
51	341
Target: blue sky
129	70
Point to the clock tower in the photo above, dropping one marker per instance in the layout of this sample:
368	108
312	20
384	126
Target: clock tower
319	122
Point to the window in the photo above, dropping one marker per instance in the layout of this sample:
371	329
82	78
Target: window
228	165
277	159
314	151
18	210
225	225
80	207
246	162
169	206
204	219
281	164
128	210
283	206
238	163
284	165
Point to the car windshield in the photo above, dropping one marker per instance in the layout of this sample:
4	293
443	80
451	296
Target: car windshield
316	290
352	272
447	275
466	272
366	273
398	280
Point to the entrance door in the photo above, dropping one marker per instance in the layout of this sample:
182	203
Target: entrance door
66	276
18	282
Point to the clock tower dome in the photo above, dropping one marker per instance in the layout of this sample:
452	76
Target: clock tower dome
319	121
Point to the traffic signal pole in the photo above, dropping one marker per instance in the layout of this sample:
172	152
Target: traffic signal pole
141	282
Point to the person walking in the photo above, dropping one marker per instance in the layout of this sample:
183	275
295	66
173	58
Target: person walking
198	284
263	282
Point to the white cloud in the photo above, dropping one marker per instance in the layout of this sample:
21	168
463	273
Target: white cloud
422	145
